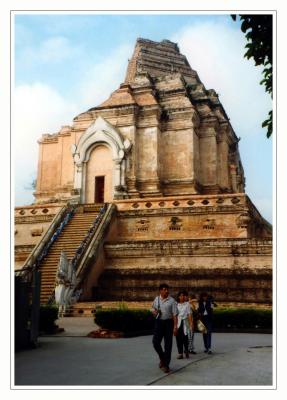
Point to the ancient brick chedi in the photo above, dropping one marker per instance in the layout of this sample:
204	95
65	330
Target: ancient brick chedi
162	153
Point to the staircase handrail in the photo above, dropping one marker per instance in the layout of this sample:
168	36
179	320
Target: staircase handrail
92	247
80	251
84	248
41	249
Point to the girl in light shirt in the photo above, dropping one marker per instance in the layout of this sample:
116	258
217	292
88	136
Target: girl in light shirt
184	324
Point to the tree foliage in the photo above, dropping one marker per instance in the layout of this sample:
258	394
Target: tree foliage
258	32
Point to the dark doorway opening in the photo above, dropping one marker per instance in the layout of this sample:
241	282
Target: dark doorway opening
99	189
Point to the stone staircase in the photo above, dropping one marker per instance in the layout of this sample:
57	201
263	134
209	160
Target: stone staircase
69	240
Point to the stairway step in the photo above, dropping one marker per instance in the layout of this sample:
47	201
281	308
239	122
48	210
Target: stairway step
76	237
66	249
68	241
84	218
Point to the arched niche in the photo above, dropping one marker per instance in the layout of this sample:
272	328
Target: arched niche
99	133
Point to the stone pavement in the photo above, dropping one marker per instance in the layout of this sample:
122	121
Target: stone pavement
72	359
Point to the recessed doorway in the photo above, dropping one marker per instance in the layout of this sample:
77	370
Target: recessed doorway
99	182
99	189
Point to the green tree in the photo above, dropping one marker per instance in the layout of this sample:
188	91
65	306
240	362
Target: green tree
258	32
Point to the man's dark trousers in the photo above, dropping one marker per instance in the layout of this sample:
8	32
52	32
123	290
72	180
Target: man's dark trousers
163	330
207	336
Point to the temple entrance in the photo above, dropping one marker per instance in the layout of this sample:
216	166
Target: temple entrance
99	189
99	176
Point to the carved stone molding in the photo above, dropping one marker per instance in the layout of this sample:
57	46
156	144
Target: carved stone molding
209	224
175	224
197	210
142	225
33	219
243	220
189	247
24	249
37	231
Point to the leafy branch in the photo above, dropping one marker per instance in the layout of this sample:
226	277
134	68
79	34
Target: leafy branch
258	33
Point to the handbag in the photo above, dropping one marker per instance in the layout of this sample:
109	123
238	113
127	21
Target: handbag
201	327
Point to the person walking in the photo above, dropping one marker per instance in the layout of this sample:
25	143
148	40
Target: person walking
205	310
184	324
164	309
193	302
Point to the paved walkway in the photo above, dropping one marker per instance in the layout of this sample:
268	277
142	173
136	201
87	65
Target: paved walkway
76	326
71	358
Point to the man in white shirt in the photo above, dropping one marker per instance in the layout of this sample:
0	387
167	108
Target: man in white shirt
164	309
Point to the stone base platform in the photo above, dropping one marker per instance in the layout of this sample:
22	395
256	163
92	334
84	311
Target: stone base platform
86	309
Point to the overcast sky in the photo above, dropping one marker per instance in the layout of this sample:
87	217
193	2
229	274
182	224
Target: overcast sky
66	64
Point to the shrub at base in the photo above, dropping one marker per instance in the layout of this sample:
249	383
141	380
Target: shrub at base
236	319
48	316
225	319
125	320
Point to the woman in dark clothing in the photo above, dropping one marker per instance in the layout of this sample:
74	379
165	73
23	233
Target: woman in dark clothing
205	310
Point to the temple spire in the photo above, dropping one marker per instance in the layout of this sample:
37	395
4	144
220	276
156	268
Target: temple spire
158	59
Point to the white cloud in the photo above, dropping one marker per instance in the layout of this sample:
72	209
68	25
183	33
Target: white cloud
215	51
37	109
100	79
56	49
53	50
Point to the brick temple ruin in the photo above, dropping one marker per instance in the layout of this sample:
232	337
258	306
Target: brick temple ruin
162	155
